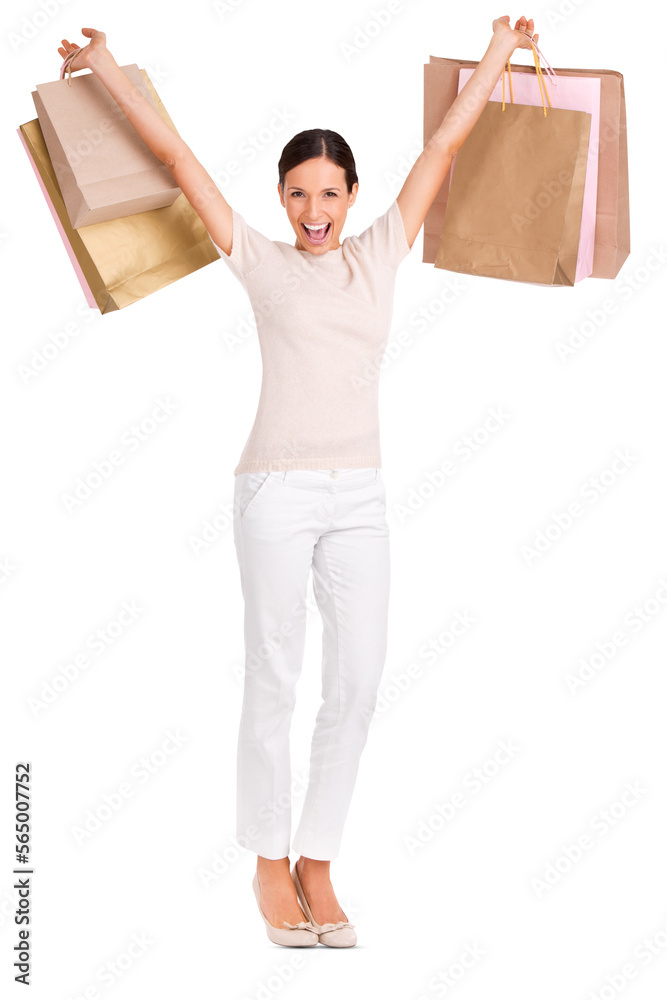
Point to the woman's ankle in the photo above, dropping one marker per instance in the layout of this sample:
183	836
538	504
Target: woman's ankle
270	867
312	868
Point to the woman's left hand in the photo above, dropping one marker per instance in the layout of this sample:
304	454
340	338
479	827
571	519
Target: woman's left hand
522	29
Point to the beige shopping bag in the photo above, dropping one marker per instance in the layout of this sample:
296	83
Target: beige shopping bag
103	167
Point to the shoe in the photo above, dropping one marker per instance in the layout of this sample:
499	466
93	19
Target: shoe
302	934
338	935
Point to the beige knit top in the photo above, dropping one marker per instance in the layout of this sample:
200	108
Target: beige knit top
323	323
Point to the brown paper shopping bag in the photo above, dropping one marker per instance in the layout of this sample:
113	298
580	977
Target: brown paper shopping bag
121	261
104	168
514	206
612	227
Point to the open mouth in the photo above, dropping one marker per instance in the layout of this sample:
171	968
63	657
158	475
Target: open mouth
316	234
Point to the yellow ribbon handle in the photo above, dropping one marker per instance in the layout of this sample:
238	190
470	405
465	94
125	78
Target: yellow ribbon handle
542	83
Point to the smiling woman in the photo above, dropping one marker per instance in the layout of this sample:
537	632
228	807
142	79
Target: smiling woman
309	493
321	186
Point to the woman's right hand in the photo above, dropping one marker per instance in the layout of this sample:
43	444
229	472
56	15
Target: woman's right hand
89	53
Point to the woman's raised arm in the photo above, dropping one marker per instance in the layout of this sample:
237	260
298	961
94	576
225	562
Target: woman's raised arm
431	167
193	179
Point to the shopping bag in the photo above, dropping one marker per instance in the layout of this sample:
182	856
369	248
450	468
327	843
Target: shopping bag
612	224
123	260
516	196
575	94
103	167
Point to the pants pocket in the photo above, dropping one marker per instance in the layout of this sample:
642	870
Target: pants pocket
381	494
249	487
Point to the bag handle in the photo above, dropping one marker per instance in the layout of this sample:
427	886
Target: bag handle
540	79
67	65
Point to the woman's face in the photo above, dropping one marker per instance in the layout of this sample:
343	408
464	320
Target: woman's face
316	194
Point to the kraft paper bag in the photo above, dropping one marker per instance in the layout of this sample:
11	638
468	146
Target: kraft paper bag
575	94
612	224
123	260
103	167
510	160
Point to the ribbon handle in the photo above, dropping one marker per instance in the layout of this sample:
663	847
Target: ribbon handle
67	65
540	78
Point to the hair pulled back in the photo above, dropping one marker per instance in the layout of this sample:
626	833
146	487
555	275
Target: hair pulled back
315	142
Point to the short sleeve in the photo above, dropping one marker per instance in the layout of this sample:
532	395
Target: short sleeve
385	238
249	248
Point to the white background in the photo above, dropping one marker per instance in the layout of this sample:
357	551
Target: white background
176	668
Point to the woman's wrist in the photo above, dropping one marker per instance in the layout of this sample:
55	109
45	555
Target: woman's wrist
502	43
99	60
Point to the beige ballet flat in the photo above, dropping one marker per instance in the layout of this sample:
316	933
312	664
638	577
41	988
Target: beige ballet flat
338	935
302	934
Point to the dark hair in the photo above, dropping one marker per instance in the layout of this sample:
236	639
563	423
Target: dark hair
315	142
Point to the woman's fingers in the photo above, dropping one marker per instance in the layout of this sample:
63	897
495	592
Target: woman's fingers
527	27
68	46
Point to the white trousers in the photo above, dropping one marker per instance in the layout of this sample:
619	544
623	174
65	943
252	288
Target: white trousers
286	522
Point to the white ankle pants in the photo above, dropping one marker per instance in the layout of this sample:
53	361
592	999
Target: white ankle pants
286	522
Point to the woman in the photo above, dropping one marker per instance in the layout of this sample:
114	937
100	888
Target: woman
308	487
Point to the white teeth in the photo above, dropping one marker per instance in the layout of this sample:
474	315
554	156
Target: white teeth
322	226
